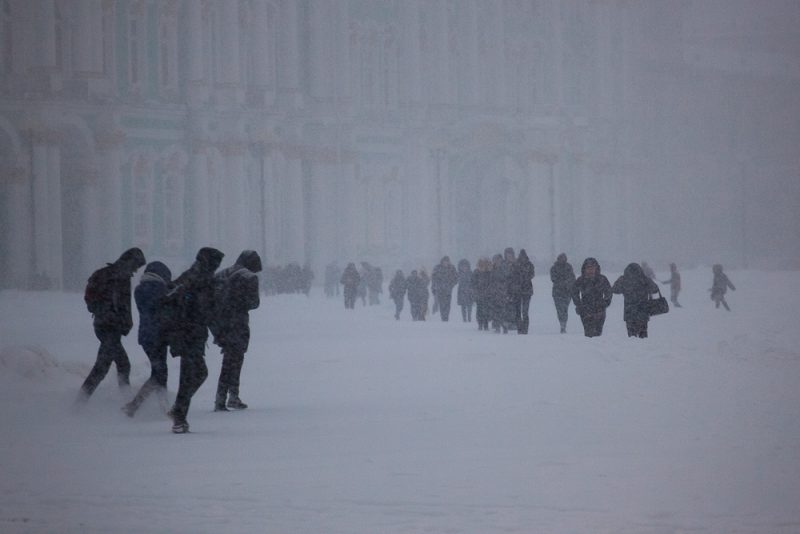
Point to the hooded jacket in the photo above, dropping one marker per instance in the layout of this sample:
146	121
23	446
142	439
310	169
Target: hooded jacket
152	288
522	273
591	295
236	292
563	277
108	292
636	288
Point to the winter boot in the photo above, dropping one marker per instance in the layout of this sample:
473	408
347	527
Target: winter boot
130	408
219	402
180	427
235	403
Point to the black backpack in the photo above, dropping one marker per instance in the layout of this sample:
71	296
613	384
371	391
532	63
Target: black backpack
98	290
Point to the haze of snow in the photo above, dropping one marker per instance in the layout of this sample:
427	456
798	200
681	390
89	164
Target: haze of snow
360	423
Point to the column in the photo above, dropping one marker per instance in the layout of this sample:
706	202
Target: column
88	37
197	90
235	199
263	49
289	55
410	60
20	227
47	228
230	80
109	144
320	45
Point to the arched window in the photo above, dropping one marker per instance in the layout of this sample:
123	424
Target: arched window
6	41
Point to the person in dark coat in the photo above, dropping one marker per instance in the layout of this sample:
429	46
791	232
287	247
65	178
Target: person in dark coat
636	288
464	295
351	281
108	299
363	283
591	294
424	292
563	278
443	279
192	305
397	290
510	312
481	289
415	288
498	294
720	286
674	284
236	293
152	288
521	290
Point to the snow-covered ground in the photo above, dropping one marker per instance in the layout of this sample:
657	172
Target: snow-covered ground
360	423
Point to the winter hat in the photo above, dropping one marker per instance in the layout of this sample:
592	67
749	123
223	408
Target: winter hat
133	258
250	260
209	257
158	268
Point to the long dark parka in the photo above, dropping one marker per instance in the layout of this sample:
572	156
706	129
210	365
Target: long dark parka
236	293
465	295
443	279
521	290
482	290
636	288
397	291
591	295
350	280
108	299
720	286
192	305
563	278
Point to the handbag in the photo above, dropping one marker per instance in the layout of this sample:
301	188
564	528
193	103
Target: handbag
656	306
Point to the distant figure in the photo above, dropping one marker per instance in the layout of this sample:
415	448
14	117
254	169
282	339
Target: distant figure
481	289
674	284
636	289
191	307
152	288
464	296
510	313
443	280
417	294
351	280
108	299
397	291
648	271
521	290
332	276
563	277
498	291
235	295
306	278
720	286
424	293
591	295
362	283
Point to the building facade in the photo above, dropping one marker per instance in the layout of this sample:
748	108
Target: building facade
313	130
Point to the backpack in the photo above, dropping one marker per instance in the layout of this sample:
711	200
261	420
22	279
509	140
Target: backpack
173	314
98	291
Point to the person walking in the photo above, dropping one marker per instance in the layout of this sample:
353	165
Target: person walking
482	291
521	290
443	279
108	299
674	284
236	293
397	291
351	281
720	286
635	287
563	277
464	296
150	292
190	310
591	294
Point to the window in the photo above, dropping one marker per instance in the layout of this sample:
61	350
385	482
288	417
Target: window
168	47
6	42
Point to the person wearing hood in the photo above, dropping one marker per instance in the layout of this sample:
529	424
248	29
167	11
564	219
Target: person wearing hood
397	290
108	299
720	286
236	293
591	294
351	281
482	291
521	290
191	310
465	296
563	278
674	284
443	279
152	288
636	288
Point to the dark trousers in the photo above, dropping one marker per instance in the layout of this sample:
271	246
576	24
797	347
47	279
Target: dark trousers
593	323
193	373
444	299
232	361
416	311
349	298
522	304
562	306
110	351
466	313
636	328
158	374
398	307
482	314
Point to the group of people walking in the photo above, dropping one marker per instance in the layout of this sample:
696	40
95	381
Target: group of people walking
175	316
501	288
